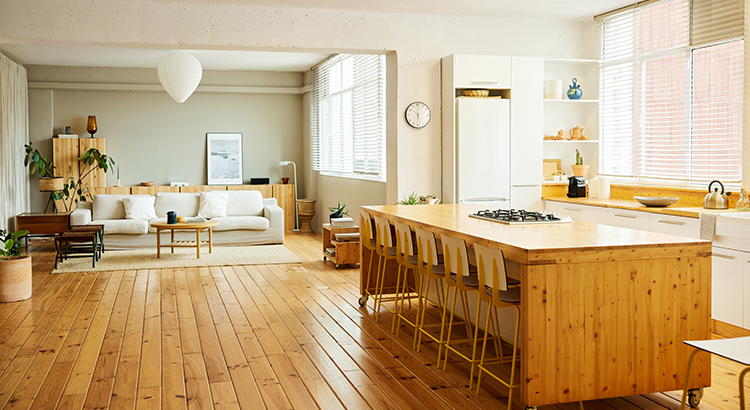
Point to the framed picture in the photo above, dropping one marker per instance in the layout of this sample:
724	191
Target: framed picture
224	158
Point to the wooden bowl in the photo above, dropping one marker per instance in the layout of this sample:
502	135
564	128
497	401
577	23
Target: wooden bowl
150	183
475	93
653	201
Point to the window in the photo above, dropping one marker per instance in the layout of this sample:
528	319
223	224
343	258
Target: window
348	117
671	78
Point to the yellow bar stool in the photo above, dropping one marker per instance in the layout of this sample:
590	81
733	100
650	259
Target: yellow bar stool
497	294
430	269
460	280
368	241
408	260
386	250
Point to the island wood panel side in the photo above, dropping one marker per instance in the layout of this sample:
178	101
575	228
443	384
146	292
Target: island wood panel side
609	329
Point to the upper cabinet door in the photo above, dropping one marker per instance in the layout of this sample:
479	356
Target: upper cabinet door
484	72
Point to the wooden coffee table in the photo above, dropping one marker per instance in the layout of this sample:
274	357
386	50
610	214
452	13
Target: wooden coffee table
198	226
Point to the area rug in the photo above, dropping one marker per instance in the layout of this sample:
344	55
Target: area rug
182	258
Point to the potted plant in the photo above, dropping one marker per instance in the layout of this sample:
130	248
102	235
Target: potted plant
412	199
579	169
15	268
48	182
338	211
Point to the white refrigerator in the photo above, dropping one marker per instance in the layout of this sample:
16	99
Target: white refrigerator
483	151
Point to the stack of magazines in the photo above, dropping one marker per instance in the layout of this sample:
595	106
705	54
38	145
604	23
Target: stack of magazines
342	222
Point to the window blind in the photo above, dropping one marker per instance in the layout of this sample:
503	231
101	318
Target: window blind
348	117
671	91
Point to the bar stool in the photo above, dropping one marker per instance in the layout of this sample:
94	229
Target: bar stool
408	260
457	259
386	250
735	349
368	241
497	294
430	269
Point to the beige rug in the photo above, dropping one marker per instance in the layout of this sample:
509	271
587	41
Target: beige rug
182	258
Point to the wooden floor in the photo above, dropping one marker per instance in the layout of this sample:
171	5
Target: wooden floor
250	337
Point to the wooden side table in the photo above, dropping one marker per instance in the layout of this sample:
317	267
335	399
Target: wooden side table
197	226
42	224
340	252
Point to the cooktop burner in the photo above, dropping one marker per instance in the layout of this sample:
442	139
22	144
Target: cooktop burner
520	216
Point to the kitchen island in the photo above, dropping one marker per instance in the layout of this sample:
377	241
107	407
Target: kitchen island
604	310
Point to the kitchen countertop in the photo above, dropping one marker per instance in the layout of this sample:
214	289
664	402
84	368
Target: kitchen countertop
631	204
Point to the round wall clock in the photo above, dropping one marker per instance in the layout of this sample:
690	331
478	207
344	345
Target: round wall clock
418	114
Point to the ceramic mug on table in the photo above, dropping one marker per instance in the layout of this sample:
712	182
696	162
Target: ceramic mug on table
171	217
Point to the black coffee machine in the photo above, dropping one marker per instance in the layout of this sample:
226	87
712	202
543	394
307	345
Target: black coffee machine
576	187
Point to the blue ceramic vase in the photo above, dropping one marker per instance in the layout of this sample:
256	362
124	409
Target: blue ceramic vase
574	91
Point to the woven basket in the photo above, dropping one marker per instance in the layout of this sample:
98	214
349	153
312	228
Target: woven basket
306	206
475	93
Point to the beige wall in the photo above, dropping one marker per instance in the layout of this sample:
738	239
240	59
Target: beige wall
415	42
153	138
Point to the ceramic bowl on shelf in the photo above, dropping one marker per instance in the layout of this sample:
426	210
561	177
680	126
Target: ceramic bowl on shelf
656	201
150	183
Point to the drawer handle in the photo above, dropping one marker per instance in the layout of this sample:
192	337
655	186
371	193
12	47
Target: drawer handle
526	186
626	216
483	82
572	209
718	255
672	223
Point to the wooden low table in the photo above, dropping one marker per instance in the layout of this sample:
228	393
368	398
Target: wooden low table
198	226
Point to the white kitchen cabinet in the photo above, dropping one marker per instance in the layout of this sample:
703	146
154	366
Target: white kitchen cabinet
483	72
583	213
675	225
628	219
746	293
525	128
564	114
728	273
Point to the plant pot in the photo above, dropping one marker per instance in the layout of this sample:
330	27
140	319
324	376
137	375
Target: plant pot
580	170
15	279
335	215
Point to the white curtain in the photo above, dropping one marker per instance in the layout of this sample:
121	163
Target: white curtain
14	133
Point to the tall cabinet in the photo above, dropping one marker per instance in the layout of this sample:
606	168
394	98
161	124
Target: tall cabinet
519	79
66	152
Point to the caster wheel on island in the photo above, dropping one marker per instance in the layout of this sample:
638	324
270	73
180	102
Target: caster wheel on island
530	408
363	300
694	397
324	259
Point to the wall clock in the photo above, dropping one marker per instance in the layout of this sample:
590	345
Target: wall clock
418	114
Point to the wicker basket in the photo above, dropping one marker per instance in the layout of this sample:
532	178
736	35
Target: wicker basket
306	206
475	93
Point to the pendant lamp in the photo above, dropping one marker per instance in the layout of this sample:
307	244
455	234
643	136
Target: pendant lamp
179	73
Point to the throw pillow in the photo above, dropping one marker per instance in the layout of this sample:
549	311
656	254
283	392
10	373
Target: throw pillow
139	207
213	204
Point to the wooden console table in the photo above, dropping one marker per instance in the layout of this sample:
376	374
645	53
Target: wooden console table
41	224
340	252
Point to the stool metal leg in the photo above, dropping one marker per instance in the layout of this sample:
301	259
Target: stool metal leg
742	387
687	378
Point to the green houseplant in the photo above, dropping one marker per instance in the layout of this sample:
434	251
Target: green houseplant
579	169
338	211
412	199
15	268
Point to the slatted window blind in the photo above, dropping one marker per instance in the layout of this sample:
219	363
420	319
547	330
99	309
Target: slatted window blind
348	117
671	90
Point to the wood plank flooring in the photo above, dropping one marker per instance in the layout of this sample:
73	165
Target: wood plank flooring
238	337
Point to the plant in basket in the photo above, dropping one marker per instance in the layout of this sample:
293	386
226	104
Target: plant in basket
15	268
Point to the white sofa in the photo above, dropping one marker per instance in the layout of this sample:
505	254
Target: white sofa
246	219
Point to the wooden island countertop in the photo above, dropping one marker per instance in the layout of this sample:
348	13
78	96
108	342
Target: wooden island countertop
604	309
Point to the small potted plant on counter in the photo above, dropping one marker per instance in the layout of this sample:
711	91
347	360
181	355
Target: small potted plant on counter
15	268
579	169
338	211
412	199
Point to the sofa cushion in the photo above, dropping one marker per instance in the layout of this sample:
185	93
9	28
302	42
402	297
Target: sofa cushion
245	203
108	206
139	207
232	223
213	204
131	226
183	203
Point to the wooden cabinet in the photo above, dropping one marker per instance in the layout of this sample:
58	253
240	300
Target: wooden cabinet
66	152
477	71
43	224
727	286
340	252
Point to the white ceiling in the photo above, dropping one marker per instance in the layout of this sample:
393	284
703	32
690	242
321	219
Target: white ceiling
30	54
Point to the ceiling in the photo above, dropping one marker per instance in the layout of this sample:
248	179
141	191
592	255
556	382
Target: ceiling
31	54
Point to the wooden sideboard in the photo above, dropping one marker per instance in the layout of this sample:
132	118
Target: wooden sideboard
284	194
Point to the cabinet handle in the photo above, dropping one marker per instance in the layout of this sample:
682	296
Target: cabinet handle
526	186
626	216
672	223
572	209
718	255
483	82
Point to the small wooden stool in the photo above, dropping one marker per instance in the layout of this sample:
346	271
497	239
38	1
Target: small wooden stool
88	247
99	229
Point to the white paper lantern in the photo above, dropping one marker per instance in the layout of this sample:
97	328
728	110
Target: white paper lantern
179	74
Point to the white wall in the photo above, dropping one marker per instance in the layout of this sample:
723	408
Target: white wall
416	42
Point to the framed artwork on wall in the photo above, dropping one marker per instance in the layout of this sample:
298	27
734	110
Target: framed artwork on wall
224	158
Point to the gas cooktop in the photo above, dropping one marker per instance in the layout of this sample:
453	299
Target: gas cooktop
520	217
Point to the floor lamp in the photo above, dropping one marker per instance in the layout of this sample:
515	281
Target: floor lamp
296	211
